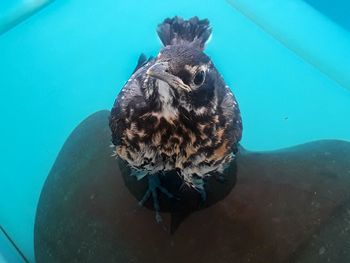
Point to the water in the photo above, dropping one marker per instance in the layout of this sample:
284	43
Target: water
338	10
71	59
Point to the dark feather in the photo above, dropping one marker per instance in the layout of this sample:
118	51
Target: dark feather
175	31
142	61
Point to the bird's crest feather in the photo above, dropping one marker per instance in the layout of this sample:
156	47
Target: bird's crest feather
175	31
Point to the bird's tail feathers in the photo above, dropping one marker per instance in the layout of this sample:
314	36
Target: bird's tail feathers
174	31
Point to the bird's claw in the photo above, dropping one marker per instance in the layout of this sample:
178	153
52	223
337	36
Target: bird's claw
153	185
220	178
203	194
198	184
159	218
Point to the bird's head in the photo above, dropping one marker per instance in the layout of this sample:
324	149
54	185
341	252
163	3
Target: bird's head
183	67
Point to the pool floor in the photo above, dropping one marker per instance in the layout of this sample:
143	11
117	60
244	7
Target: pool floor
70	60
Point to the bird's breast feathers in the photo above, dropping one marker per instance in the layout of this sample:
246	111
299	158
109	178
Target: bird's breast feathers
196	142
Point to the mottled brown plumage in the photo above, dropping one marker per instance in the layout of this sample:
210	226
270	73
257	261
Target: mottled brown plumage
176	112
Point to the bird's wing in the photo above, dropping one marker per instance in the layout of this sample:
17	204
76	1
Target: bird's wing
143	60
232	115
129	100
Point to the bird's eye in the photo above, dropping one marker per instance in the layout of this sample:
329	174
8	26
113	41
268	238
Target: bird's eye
199	78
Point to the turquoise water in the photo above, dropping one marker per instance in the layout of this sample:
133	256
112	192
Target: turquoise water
337	10
71	59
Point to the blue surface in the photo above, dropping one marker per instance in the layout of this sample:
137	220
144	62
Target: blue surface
72	58
13	12
9	6
338	10
8	254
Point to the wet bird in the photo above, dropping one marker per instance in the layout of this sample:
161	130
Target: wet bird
176	113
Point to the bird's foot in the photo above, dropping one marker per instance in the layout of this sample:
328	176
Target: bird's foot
198	184
220	177
153	185
203	194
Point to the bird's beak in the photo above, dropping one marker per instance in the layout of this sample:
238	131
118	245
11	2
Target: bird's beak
160	71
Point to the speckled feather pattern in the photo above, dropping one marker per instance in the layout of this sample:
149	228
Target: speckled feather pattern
156	127
156	135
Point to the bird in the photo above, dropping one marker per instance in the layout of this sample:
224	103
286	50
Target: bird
176	113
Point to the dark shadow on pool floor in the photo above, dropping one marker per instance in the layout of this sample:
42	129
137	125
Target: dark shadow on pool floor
289	205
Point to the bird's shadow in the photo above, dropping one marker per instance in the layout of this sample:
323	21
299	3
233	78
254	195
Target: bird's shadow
187	200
